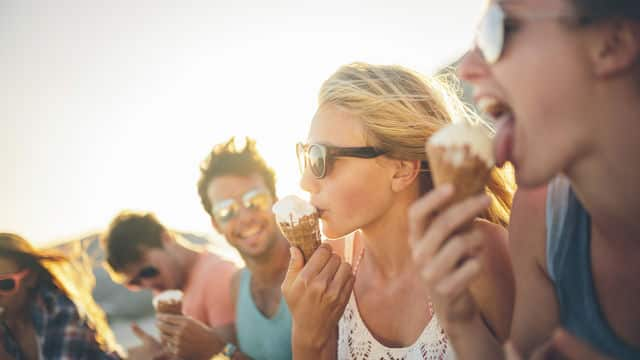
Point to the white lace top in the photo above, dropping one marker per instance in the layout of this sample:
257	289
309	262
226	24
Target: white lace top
356	342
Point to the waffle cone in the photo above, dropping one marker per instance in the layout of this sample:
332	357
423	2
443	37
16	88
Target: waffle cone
305	234
169	307
458	166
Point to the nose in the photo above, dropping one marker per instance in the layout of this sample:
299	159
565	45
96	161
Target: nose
244	216
472	66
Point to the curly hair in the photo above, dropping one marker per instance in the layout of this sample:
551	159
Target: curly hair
227	159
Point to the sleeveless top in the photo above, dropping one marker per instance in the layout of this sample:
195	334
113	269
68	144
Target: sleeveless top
569	266
356	342
258	336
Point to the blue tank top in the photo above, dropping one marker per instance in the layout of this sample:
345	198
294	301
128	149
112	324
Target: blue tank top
569	266
258	336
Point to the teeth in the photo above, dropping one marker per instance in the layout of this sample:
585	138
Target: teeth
250	231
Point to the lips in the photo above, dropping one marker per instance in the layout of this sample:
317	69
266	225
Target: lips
503	117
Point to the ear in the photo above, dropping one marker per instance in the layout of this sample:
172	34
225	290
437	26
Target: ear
617	47
215	225
405	174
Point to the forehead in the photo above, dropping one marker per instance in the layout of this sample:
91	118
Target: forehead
232	186
334	125
8	265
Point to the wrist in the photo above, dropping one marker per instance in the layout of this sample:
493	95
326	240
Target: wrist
314	343
229	350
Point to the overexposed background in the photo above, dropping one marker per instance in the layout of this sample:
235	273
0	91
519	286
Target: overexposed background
112	105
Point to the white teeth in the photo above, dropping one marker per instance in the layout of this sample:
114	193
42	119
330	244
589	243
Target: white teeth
250	231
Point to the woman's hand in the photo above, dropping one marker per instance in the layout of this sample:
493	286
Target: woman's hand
447	247
316	294
187	338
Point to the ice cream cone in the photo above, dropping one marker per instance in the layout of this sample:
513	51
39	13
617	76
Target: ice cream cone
305	235
461	155
168	302
299	223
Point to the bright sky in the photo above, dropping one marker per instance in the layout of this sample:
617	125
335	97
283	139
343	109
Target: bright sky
112	105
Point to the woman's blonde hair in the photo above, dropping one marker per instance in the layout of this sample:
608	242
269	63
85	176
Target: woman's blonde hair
400	109
74	278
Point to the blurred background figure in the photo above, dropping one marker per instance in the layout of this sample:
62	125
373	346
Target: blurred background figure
140	253
46	307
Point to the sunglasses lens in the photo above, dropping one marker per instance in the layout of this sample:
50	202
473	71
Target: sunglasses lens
148	272
225	210
258	200
317	160
491	34
7	284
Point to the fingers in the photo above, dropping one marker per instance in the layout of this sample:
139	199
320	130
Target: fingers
447	223
456	262
314	266
421	212
460	280
335	275
324	278
296	262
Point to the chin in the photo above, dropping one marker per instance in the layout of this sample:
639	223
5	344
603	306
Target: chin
332	234
526	178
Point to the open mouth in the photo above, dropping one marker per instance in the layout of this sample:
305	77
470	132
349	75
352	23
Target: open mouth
503	116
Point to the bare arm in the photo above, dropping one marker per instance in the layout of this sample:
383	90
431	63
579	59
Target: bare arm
494	289
536	307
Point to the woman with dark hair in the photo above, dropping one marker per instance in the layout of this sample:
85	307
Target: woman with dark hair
562	80
46	307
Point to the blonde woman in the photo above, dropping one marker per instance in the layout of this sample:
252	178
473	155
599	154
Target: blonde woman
45	313
364	166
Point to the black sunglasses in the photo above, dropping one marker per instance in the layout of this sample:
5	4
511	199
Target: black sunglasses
146	272
319	157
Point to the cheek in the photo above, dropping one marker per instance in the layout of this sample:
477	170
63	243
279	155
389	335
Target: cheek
355	200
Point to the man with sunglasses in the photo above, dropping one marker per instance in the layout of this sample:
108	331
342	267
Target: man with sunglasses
141	253
237	190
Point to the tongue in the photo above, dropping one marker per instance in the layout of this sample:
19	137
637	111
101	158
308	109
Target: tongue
503	140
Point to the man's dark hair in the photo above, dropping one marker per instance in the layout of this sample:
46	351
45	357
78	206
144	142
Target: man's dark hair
227	159
129	234
604	9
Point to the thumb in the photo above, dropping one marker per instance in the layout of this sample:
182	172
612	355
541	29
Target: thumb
296	263
142	335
